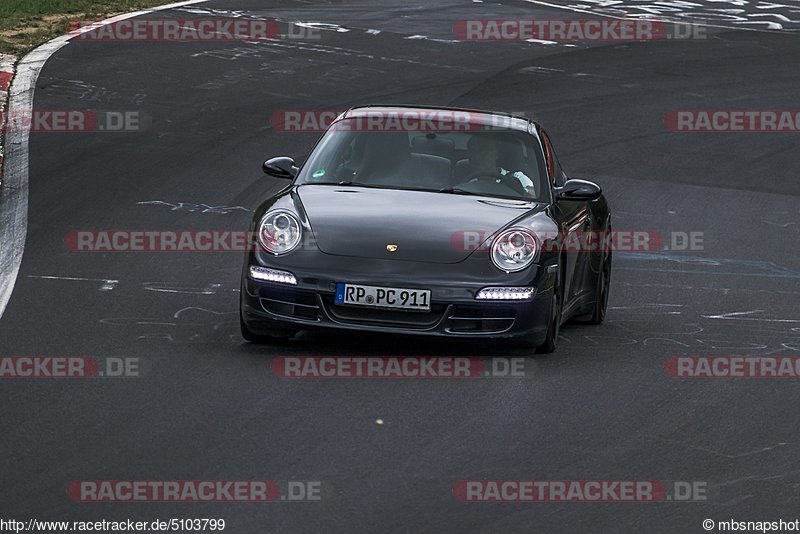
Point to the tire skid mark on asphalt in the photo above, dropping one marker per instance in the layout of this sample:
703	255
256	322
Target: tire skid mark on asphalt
258	48
81	90
631	326
655	305
180	312
167	287
194	208
198	318
731	18
736	316
668	340
14	194
105	284
725	290
316	25
190	324
606	343
109	284
705	273
689	331
758	268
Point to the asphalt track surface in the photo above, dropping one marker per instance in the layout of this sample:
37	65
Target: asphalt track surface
208	406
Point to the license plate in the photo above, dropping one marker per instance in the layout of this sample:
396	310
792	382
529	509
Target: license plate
383	297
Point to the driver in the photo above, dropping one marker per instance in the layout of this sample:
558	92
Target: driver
482	165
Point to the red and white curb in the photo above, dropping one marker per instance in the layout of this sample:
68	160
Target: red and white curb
14	189
6	74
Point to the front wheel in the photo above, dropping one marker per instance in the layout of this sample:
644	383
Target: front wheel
550	340
601	293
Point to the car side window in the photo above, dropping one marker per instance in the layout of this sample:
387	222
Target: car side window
554	170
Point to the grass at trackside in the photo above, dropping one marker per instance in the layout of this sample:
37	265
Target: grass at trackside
25	24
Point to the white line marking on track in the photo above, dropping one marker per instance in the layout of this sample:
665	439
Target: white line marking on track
14	193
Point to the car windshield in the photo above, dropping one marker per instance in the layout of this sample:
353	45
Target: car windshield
489	162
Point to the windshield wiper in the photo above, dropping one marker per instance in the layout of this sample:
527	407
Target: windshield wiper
349	182
343	182
459	191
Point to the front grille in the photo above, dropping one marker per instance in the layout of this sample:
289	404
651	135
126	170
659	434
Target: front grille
487	319
289	302
374	316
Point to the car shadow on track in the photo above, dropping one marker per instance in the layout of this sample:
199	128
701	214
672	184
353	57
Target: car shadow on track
333	344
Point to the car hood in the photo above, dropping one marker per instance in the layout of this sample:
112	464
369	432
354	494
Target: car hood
425	226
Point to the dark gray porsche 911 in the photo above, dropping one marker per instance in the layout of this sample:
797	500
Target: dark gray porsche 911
416	220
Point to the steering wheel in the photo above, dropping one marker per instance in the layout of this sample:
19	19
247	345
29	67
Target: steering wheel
506	180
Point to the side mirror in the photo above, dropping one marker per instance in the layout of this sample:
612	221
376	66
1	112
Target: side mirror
281	167
575	189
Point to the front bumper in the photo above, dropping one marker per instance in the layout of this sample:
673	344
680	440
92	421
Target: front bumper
267	306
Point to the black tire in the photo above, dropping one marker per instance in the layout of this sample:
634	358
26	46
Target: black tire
553	328
601	293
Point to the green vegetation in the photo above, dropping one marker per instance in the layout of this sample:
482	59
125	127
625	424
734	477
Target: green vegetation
25	24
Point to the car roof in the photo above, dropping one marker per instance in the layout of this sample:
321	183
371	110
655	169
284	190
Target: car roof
508	120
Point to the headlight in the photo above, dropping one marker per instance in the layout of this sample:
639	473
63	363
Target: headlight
513	250
505	293
279	232
272	275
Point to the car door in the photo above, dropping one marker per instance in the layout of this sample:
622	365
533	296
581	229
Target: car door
574	217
